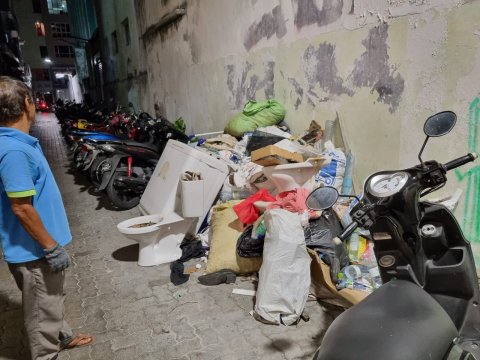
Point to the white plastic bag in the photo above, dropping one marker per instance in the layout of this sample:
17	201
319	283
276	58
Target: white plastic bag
332	174
284	278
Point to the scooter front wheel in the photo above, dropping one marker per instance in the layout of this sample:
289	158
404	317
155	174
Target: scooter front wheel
99	166
120	196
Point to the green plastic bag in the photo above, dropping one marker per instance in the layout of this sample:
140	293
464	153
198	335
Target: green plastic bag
256	114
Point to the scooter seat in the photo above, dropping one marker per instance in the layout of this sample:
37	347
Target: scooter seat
398	321
143	145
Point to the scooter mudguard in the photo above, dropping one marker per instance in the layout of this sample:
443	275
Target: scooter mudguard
398	321
107	176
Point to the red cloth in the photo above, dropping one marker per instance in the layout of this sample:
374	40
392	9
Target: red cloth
293	201
246	211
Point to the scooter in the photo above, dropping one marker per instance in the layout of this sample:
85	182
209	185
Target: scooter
428	305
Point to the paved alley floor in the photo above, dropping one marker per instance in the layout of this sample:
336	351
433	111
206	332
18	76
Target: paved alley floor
135	312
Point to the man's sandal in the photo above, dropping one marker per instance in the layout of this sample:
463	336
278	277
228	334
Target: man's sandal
79	341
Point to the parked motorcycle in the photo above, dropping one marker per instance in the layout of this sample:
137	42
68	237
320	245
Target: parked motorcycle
428	307
88	147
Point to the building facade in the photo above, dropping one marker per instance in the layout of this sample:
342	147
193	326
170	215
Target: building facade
11	63
49	49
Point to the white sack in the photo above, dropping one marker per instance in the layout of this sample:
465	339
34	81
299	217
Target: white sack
284	278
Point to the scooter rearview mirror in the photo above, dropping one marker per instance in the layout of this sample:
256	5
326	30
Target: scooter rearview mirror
322	198
440	124
437	125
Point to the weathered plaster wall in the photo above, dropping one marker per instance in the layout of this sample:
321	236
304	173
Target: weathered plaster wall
383	66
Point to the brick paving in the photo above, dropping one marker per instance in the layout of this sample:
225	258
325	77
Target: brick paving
135	312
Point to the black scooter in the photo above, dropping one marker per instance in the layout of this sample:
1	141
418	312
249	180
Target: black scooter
428	307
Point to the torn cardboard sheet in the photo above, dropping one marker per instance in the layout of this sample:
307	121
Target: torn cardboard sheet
273	155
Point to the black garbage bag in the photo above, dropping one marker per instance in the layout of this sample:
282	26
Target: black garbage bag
248	246
319	236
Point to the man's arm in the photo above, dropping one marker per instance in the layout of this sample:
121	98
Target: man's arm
27	215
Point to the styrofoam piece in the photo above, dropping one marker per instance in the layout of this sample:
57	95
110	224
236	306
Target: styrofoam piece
244	292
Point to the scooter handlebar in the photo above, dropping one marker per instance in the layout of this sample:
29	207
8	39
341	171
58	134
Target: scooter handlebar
460	161
348	231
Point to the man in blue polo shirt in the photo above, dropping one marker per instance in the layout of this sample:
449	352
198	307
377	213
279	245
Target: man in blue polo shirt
33	226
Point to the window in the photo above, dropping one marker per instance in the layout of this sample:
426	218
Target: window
37	6
61	30
114	42
57	7
40	28
43	52
126	28
64	51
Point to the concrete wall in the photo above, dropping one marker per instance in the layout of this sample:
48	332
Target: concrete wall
382	66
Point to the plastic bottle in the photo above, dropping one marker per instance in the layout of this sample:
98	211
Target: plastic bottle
353	243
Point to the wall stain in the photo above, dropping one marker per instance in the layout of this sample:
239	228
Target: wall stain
140	12
191	40
373	70
298	90
320	68
244	86
308	13
269	80
270	24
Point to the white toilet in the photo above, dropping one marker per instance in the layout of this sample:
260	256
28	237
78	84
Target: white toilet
162	229
288	177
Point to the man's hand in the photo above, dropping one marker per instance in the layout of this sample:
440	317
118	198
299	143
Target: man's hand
57	258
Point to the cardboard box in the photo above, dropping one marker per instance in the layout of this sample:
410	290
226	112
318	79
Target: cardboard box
324	289
273	155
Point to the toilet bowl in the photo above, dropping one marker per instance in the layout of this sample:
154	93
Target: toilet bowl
288	177
160	240
162	229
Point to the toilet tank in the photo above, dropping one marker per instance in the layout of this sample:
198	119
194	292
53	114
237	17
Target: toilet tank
162	194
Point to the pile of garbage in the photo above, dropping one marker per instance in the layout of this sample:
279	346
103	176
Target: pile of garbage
261	224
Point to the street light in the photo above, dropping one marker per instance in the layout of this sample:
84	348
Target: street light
47	60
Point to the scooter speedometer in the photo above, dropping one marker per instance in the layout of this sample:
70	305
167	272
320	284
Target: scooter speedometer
385	185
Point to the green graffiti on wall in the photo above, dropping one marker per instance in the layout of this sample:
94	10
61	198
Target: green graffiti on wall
471	220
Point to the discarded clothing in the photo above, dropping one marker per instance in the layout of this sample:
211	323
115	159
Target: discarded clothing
177	277
246	211
190	250
293	201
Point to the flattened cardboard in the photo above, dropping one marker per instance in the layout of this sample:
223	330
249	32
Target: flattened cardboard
273	155
323	288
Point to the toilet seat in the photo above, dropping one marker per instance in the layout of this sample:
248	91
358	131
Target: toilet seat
159	243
